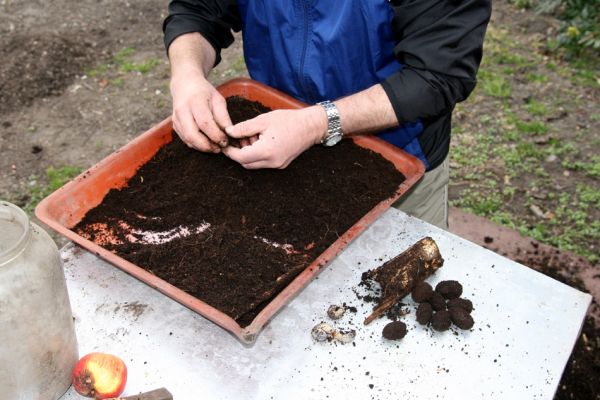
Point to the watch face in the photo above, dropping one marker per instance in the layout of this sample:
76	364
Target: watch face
332	140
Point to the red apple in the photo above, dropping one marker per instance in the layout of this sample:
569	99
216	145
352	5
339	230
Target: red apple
100	376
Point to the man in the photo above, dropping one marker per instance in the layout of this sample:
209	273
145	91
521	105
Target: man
395	69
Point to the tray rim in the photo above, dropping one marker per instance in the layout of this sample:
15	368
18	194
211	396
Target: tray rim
247	335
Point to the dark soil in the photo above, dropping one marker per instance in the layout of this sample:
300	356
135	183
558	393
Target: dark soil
37	67
396	312
266	226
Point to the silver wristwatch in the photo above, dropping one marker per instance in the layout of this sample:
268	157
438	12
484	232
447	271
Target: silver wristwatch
334	127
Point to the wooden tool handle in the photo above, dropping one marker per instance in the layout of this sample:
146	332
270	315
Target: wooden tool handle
158	394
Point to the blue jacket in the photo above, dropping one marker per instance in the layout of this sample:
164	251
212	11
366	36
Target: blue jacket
424	53
324	50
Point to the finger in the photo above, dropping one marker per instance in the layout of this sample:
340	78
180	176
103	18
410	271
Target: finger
258	165
249	128
219	110
189	134
253	139
245	142
245	155
208	126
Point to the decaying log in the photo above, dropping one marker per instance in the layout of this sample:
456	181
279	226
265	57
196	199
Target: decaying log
398	276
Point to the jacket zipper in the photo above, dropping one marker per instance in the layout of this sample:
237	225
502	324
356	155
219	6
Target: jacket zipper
300	76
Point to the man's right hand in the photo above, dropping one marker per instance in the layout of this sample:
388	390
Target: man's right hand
199	111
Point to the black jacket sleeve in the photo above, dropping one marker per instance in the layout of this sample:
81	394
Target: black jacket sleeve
440	43
213	19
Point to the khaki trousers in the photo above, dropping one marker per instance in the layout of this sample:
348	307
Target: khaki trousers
428	198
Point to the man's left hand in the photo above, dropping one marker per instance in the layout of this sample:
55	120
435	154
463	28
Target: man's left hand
277	137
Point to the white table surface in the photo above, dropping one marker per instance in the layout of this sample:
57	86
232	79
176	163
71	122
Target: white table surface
525	327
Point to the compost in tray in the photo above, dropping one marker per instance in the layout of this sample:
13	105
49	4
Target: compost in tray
234	238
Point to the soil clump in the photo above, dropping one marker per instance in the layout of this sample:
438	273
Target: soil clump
441	321
424	313
461	318
465	304
449	289
437	301
422	292
394	330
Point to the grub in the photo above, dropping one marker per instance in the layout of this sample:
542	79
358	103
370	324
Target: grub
336	312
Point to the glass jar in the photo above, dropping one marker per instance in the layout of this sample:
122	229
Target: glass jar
38	347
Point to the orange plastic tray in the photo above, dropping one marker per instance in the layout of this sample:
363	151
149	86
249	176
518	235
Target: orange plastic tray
64	208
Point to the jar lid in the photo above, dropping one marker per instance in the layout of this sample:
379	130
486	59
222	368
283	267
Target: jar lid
14	231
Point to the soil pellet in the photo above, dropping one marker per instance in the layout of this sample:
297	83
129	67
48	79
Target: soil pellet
437	301
461	318
465	304
424	313
422	292
394	330
441	320
449	289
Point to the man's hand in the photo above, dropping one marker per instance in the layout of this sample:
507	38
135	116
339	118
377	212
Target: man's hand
282	136
199	111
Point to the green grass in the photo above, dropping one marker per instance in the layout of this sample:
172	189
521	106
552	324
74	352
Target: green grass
536	108
120	64
537	78
142	67
493	154
590	168
494	85
532	128
56	177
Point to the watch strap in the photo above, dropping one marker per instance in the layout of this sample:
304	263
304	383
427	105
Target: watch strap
334	126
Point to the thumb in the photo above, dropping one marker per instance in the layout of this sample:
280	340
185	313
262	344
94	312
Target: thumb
249	128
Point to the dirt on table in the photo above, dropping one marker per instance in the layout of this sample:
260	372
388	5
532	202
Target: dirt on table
234	237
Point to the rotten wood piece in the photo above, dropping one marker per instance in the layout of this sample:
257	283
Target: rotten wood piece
398	276
158	394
